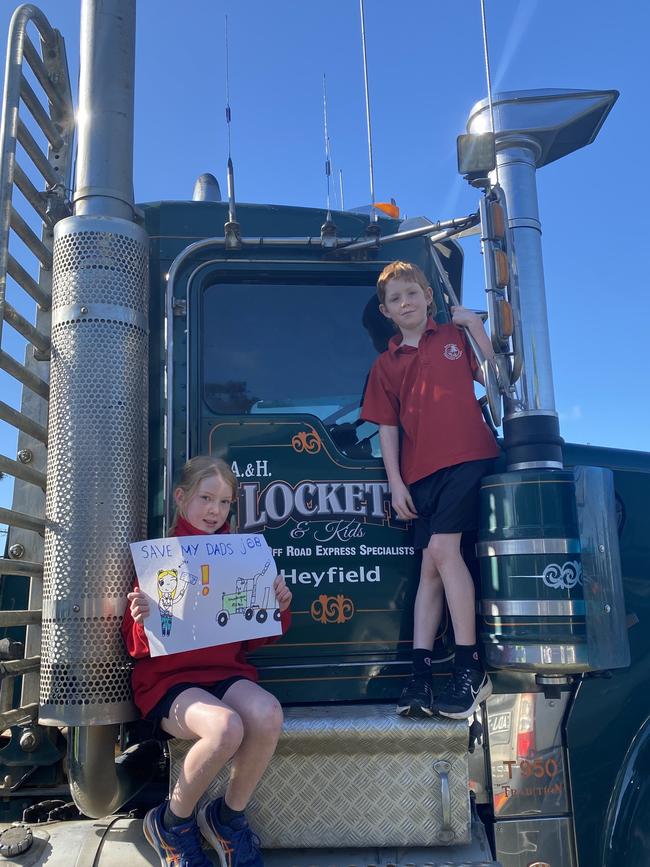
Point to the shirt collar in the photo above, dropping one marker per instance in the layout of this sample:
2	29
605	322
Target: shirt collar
395	343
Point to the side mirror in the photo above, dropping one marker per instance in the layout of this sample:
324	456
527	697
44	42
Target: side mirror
477	155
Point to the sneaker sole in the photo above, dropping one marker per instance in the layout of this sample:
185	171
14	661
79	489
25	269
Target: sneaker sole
210	835
417	712
152	838
484	693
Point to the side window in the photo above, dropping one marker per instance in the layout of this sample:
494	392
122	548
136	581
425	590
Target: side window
285	348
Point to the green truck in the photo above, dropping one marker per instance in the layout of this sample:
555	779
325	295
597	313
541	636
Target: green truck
133	364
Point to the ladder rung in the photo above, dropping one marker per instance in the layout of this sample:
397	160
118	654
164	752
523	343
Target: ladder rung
28	713
19	567
24	279
22	422
39	114
22	326
22	374
36	155
32	57
29	191
20	519
22	471
20	618
30	239
15	667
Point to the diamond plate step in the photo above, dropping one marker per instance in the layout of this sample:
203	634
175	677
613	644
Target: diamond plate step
356	776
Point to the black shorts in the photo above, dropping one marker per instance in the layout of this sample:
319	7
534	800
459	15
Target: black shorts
161	710
447	501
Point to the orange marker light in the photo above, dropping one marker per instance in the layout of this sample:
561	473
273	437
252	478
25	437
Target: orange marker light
388	208
205	579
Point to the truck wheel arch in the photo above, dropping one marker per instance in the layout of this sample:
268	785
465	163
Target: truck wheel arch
626	836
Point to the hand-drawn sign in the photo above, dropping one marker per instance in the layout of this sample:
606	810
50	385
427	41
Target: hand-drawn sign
206	590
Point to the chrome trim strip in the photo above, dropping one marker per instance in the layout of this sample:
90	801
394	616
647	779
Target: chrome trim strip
561	658
504	547
532	607
537	465
93	312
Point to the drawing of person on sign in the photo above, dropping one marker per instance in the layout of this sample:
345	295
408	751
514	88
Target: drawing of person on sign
169	594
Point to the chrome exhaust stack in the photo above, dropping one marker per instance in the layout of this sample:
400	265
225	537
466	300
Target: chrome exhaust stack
533	128
97	465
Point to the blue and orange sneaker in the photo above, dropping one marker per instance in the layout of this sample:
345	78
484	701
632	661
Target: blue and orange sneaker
235	844
179	847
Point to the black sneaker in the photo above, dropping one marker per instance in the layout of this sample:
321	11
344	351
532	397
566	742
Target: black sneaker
465	691
416	699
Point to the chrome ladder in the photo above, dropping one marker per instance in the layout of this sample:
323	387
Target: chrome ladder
36	153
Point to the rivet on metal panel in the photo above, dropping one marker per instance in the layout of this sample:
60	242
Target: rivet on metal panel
17	551
25	456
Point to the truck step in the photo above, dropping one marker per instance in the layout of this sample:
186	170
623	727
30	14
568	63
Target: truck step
347	777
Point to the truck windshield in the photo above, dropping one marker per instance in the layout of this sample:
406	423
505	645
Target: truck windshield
291	348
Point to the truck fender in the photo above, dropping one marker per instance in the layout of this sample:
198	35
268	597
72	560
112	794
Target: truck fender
626	835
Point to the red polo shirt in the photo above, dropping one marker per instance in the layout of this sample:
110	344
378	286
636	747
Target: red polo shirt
428	391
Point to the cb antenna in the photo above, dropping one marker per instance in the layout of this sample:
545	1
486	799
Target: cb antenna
488	75
373	217
231	229
328	229
328	152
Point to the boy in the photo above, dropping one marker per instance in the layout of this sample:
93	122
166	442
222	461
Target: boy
420	391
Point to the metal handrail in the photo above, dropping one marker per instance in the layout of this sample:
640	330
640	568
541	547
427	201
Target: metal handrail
37	113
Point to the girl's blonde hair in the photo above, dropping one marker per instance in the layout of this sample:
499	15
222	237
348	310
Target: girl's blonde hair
195	471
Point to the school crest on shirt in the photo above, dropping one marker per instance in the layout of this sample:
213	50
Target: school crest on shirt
452	351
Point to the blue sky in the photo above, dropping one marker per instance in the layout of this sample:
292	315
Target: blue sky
426	72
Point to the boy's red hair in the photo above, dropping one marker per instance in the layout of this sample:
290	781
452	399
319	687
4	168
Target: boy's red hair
402	271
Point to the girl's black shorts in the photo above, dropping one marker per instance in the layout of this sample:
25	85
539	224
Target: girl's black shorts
447	501
161	710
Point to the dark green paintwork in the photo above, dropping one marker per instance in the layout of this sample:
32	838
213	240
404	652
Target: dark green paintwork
609	712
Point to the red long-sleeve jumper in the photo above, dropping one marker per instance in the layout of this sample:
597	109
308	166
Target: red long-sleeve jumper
153	676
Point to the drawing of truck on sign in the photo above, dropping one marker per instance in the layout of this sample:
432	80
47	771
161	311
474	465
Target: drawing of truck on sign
244	600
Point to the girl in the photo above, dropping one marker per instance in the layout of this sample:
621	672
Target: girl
210	696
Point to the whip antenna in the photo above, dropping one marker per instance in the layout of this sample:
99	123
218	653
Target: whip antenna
231	229
328	154
488	76
365	78
341	189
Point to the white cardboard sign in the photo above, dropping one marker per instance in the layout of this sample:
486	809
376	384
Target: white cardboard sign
206	590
